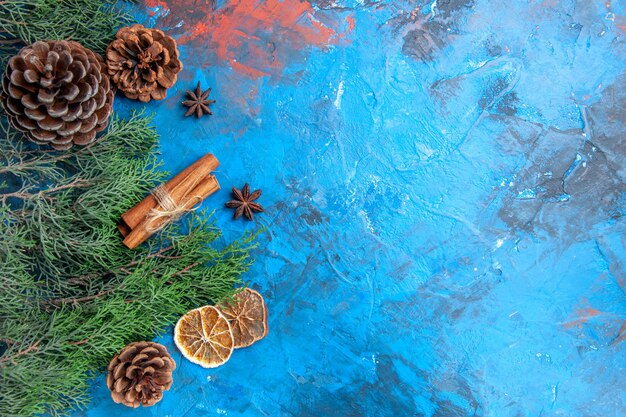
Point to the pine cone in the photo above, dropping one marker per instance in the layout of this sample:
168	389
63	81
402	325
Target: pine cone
140	373
143	62
57	93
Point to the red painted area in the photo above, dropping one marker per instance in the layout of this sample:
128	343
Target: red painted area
351	23
583	315
256	37
156	4
246	70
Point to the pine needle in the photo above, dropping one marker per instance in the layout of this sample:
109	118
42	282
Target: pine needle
72	295
89	22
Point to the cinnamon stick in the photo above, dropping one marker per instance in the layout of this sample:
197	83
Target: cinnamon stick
202	189
133	217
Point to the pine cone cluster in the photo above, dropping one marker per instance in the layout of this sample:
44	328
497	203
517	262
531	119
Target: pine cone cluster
143	62
140	373
57	93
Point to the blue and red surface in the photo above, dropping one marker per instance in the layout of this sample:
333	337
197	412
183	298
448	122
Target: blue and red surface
445	190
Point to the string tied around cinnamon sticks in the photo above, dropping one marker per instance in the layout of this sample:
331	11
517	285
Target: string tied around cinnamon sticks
168	202
157	219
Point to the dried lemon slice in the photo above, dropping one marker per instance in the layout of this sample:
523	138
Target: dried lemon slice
204	337
248	317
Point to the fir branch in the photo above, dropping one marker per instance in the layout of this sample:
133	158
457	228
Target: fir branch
73	295
89	22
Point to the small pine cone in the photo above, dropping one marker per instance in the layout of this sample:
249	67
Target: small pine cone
57	93
140	373
143	62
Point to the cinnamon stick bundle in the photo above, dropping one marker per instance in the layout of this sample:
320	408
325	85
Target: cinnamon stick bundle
180	194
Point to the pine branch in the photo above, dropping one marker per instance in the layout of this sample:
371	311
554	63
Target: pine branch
72	294
89	22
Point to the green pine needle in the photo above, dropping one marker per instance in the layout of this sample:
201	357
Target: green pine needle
89	22
72	295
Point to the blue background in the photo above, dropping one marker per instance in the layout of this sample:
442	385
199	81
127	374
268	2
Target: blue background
444	185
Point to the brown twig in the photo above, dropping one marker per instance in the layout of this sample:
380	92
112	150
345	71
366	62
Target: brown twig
76	300
11	41
44	161
80	342
81	279
78	183
168	257
156	254
185	269
22	352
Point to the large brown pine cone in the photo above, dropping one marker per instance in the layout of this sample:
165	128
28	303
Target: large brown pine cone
57	93
140	373
143	62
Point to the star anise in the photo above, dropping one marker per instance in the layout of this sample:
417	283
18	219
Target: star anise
198	102
244	202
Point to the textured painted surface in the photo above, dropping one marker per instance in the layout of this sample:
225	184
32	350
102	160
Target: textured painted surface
445	185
